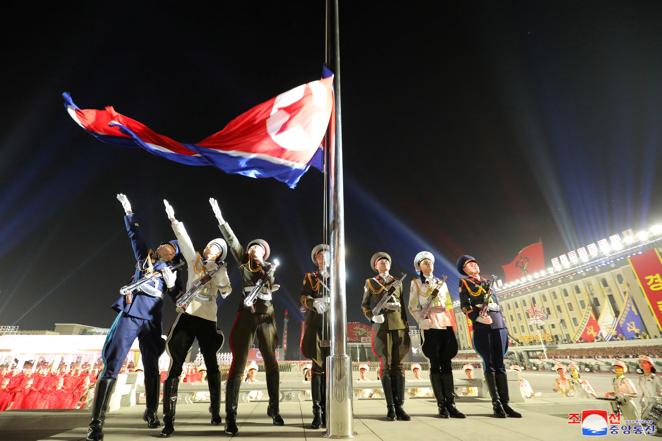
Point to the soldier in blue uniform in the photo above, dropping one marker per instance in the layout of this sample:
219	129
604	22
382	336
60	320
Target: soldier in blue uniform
480	304
139	316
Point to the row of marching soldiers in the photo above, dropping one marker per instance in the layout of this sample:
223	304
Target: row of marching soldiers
139	316
40	387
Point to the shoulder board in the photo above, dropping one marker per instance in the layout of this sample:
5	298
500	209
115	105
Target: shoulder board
374	285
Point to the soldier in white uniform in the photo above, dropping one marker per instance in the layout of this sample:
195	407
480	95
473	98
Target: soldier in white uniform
198	320
431	305
651	393
624	393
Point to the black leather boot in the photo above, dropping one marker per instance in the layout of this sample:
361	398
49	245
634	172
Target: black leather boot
231	401
399	397
504	396
449	392
496	404
273	387
152	389
388	396
214	383
99	408
316	393
438	389
169	406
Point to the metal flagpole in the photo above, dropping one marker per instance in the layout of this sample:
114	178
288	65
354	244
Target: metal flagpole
338	364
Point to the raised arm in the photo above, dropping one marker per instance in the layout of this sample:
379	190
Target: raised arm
133	229
185	244
235	246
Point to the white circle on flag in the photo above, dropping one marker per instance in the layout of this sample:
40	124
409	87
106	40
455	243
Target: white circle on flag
305	128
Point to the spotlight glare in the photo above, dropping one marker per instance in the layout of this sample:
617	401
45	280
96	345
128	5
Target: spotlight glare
656	230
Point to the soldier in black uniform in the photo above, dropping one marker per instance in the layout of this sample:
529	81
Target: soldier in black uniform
391	333
315	343
251	321
480	304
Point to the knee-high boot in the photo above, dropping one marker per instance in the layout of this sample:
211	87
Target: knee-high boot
99	408
273	387
438	389
214	383
398	381
491	387
388	396
169	406
449	392
323	401
502	386
152	389
316	392
231	402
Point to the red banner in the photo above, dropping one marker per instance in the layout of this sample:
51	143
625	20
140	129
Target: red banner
590	331
358	332
529	260
648	268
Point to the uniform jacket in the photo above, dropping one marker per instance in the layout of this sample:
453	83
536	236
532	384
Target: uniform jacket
203	304
373	291
250	272
419	296
312	289
142	306
473	295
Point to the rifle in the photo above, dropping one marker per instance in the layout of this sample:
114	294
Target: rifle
128	289
390	289
425	312
185	299
249	301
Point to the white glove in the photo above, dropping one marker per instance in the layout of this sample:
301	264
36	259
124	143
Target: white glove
320	306
170	212
125	203
169	277
378	318
484	319
493	307
327	299
217	211
392	306
425	324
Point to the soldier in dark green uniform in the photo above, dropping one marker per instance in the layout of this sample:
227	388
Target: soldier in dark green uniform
391	333
315	341
251	321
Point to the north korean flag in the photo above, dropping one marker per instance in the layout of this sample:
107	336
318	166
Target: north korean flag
280	138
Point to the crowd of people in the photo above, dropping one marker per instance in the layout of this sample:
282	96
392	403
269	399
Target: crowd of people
608	352
43	385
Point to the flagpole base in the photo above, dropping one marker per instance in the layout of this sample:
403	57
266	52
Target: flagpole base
339	397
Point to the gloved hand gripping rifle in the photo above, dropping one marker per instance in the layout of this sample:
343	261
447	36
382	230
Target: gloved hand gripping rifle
390	289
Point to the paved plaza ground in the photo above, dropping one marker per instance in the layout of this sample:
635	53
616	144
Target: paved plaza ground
545	418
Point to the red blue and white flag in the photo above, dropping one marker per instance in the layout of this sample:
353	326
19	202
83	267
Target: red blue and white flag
280	138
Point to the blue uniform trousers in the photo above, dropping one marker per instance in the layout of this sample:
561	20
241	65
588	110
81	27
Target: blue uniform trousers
491	345
122	334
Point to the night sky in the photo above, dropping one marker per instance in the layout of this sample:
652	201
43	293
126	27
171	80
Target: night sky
474	127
